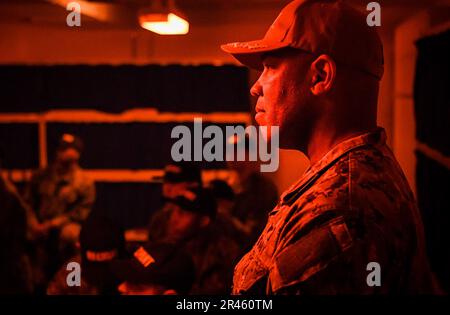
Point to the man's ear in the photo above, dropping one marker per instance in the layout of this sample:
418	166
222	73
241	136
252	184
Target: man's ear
323	74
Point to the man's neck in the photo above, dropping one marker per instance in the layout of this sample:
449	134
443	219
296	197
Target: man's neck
323	140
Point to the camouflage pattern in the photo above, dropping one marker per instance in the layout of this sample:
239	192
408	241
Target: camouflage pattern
51	195
158	223
352	207
214	251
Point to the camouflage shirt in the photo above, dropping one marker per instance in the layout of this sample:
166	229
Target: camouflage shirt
51	195
214	251
352	207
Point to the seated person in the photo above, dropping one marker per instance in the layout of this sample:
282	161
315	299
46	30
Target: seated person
192	226
224	195
178	177
155	269
60	197
256	194
101	242
226	198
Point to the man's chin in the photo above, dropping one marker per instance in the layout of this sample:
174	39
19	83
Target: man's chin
260	119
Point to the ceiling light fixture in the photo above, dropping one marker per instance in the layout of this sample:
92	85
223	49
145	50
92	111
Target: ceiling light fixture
163	18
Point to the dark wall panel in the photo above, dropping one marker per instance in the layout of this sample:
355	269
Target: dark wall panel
432	188
114	89
431	92
117	88
19	145
131	204
129	146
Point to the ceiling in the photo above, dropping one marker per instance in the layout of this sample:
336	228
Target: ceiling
122	13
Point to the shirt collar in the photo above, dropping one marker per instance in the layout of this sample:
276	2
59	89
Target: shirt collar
373	138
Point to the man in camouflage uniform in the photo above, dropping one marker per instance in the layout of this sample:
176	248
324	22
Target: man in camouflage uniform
61	193
155	269
321	68
61	197
101	242
192	226
178	177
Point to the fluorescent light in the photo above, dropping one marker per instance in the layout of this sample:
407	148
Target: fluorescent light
164	24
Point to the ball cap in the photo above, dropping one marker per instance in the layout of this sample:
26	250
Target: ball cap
180	172
197	200
102	241
70	141
328	27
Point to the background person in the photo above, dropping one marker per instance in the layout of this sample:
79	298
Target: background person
61	197
155	269
178	177
101	242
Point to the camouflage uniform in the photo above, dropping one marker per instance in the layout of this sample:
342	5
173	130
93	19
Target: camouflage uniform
70	198
352	207
214	251
158	223
51	195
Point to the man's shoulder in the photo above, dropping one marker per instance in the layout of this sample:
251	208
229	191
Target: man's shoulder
82	181
375	171
365	183
329	190
364	176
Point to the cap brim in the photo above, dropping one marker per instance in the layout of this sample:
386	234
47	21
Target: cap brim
250	53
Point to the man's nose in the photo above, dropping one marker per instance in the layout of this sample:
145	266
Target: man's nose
256	89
